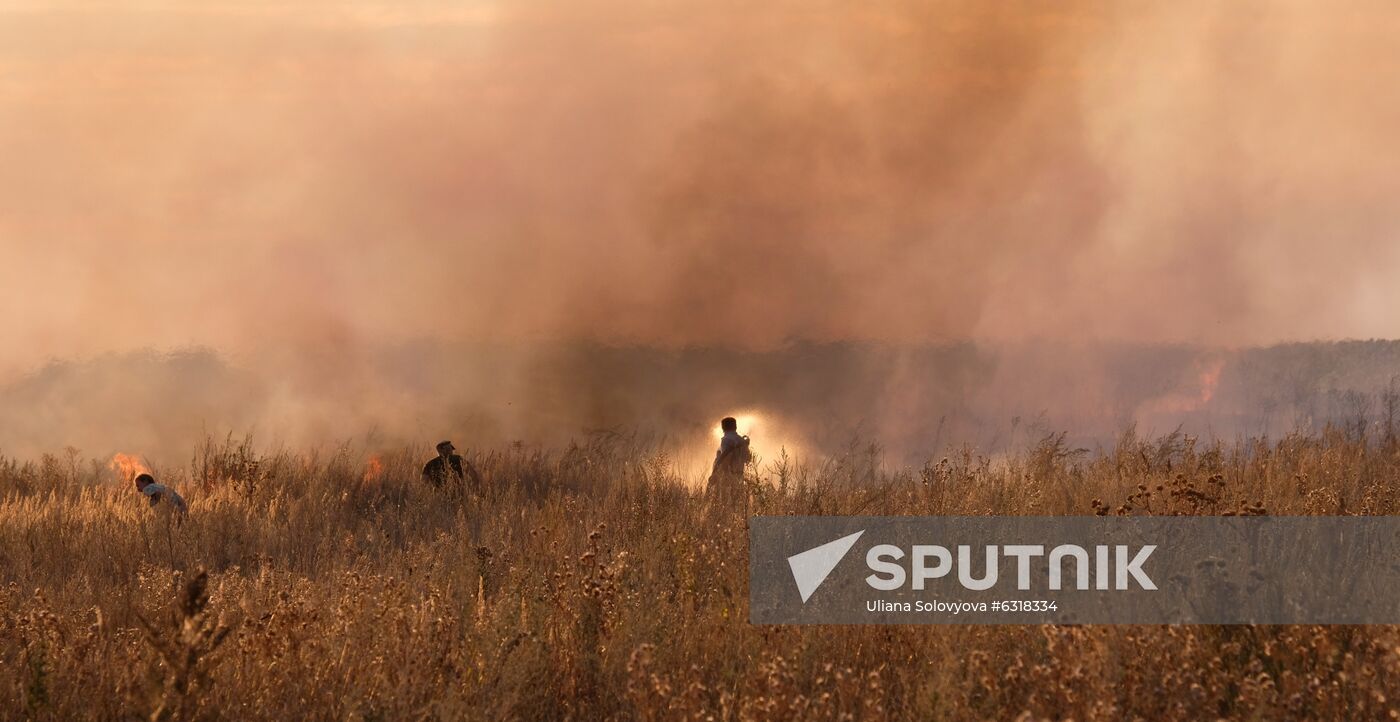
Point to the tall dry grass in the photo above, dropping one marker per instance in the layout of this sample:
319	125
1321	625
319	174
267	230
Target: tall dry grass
593	583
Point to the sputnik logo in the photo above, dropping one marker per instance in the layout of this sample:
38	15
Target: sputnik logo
811	568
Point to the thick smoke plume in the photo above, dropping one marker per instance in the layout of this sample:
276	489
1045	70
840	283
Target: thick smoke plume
316	190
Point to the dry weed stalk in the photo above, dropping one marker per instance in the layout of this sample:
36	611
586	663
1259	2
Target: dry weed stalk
183	646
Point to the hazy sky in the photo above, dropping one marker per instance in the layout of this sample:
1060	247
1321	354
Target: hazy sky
254	174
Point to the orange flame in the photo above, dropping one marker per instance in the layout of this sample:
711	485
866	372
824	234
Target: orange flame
374	469
1210	379
1193	397
128	466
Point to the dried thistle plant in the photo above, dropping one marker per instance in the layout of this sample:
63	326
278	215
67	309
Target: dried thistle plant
184	645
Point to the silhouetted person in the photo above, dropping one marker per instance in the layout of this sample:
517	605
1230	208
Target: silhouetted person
156	493
449	468
727	476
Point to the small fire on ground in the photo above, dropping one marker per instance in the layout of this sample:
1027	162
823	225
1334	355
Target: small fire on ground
374	470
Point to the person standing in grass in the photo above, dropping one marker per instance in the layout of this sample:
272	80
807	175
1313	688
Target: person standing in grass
727	476
450	468
156	493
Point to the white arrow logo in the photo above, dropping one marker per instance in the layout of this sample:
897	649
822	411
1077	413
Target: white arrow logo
810	568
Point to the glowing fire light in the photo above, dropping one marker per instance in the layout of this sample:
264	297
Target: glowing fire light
128	466
1210	379
769	434
1193	397
374	469
749	423
770	438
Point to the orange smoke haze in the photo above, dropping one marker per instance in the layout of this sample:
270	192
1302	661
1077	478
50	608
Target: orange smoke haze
239	174
295	183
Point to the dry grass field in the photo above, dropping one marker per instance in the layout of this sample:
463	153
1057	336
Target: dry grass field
592	583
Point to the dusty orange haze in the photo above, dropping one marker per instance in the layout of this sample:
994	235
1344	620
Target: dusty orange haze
315	176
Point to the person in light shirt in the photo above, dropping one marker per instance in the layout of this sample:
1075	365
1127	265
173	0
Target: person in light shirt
727	476
156	493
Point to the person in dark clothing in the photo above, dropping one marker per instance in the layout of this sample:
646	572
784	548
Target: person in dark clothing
449	468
